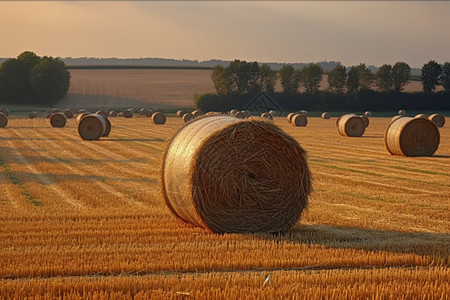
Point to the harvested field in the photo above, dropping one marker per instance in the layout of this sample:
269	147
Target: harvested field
87	219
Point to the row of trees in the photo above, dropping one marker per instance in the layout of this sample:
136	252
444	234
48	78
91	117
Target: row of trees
241	78
30	79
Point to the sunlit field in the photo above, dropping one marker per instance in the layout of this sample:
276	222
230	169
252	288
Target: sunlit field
86	219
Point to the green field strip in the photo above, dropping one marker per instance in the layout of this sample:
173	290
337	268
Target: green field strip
19	184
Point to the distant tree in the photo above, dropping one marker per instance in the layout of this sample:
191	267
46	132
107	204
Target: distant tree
401	73
352	79
268	78
219	80
311	75
50	80
430	76
290	81
365	76
337	79
444	78
384	78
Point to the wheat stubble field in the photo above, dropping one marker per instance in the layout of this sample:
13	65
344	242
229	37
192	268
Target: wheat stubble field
85	219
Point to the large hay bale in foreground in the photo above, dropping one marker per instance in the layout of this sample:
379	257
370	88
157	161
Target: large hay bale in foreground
92	127
299	120
412	137
32	115
438	119
3	119
326	115
232	175
159	118
351	125
5	111
58	120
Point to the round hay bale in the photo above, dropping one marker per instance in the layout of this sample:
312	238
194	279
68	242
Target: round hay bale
107	128
299	120
81	116
401	112
92	127
246	113
82	111
196	113
102	113
181	113
273	113
68	113
231	175
142	111
188	117
266	115
120	114
365	120
421	116
148	113
159	118
32	115
412	137
395	118
351	126
233	112
55	110
58	120
289	117
302	112
3	120
368	114
5	111
128	113
240	115
326	115
438	119
112	113
337	121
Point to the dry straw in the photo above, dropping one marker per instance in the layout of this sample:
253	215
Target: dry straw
299	120
127	113
266	115
351	125
232	175
159	118
102	113
365	120
58	120
5	111
438	119
68	113
421	116
112	113
412	137
188	117
81	116
326	115
396	117
181	113
3	119
92	127
32	115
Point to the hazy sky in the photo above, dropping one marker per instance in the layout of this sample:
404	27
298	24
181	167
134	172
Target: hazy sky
373	32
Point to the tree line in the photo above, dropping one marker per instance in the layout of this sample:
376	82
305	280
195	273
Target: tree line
34	80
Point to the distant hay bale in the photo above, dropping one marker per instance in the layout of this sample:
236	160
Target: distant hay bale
368	114
3	120
181	113
112	113
266	115
240	115
32	115
159	118
326	115
412	137
246	113
438	119
148	113
289	117
92	127
68	113
107	128
394	118
421	116
188	117
299	120
127	113
196	113
81	116
5	111
218	176
142	111
120	114
213	113
365	120
58	120
273	113
55	110
102	113
82	111
233	112
302	112
401	112
351	125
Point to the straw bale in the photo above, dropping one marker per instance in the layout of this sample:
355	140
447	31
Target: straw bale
289	117
5	111
351	125
32	115
233	112
421	116
107	128
299	120
401	112
368	114
326	115
302	112
92	127
240	115
127	113
159	118
112	113
188	117
58	120
68	113
3	119
246	113
266	115
273	113
365	120
148	113
120	114
81	116
395	118
142	111
231	175
196	113
82	111
181	113
102	113
412	137
438	119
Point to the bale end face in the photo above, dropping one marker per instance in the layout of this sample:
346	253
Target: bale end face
3	120
92	127
350	125
58	119
299	120
437	119
159	118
